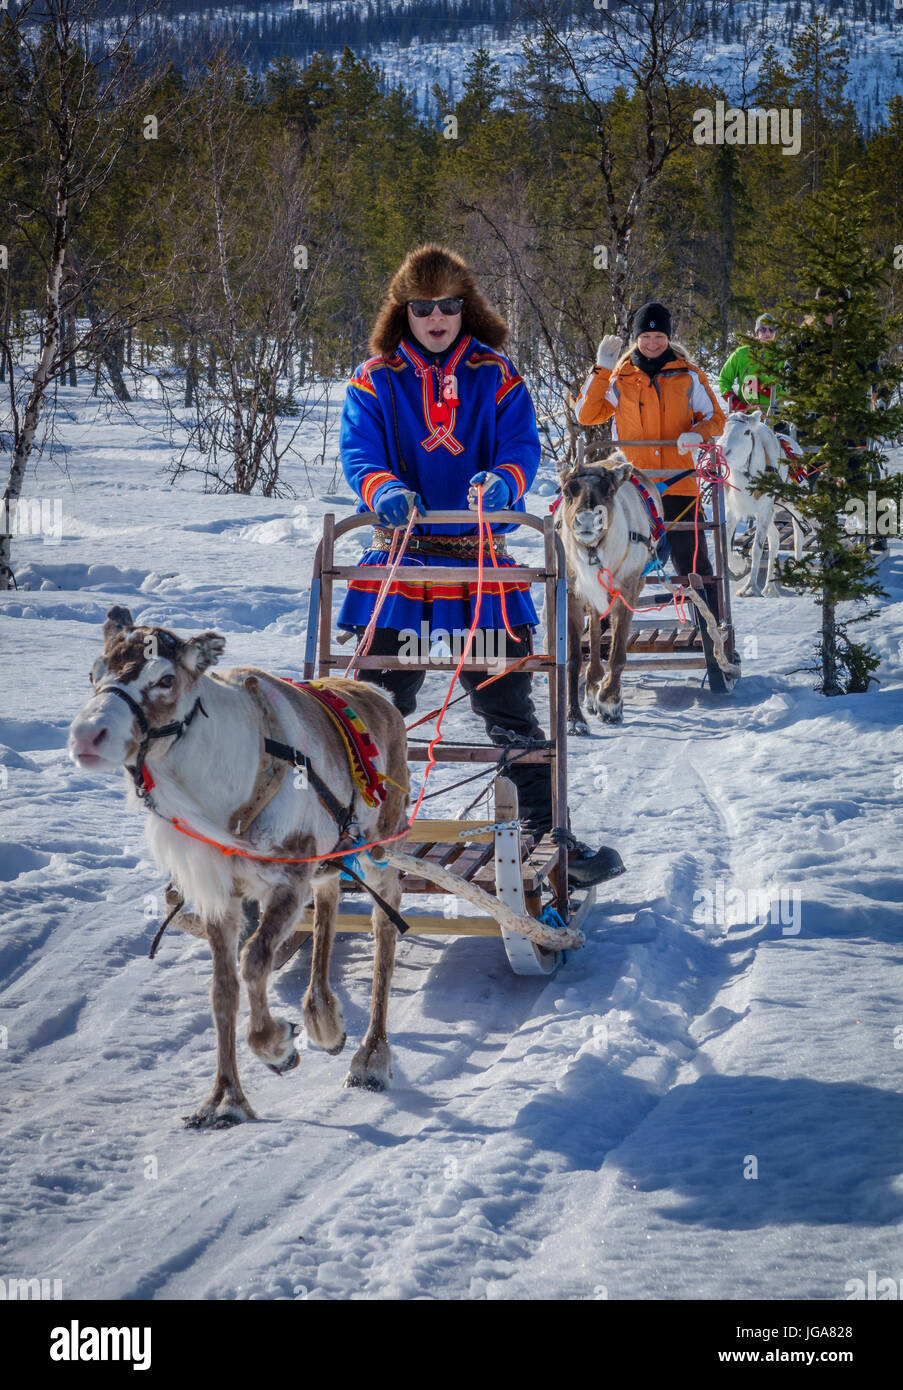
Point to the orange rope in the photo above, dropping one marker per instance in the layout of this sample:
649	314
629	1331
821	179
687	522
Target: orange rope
496	565
393	562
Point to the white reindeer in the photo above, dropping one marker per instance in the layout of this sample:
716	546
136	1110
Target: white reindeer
605	530
194	746
751	447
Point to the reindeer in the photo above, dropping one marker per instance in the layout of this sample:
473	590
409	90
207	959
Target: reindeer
606	534
751	448
208	752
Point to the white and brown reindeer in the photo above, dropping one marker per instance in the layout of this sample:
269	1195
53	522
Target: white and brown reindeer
606	532
751	448
194	746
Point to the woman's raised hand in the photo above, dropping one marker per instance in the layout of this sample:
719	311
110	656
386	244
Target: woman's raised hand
609	351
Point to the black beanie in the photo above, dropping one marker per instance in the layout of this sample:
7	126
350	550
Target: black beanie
652	318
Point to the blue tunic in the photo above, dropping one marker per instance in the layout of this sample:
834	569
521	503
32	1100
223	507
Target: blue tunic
493	427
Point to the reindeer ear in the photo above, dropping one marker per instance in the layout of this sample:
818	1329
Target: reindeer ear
755	416
203	651
620	473
118	619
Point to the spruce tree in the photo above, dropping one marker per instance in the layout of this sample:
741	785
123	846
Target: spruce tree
836	366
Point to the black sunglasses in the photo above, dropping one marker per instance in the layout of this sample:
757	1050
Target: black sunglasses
422	308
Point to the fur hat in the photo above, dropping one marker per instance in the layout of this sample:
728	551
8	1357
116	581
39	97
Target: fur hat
652	318
434	272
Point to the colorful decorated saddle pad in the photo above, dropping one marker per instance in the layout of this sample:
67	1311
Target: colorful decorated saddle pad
359	745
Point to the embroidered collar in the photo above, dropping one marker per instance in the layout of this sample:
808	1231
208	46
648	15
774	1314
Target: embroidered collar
438	394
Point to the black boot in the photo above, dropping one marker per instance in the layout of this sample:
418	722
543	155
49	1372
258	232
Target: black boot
587	866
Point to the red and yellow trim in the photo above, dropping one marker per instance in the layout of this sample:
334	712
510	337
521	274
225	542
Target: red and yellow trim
506	388
493	359
363	382
515	475
373	481
399	589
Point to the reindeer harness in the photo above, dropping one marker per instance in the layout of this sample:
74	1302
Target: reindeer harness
276	757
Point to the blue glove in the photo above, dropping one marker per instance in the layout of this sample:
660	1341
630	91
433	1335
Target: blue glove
392	504
496	492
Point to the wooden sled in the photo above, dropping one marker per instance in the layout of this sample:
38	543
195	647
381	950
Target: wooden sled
491	865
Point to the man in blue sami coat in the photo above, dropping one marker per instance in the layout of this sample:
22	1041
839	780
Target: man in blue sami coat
436	412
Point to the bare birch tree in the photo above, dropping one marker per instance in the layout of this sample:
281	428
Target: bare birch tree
650	49
80	101
246	262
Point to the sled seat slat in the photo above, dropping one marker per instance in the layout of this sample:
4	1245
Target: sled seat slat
463	860
434	832
425	924
643	641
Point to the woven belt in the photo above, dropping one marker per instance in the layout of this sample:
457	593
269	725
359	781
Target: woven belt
461	547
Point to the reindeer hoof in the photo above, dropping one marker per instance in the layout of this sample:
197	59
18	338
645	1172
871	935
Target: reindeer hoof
334	1051
578	727
221	1116
363	1083
290	1062
612	712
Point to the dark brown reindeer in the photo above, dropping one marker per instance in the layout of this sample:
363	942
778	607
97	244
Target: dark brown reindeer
606	534
203	738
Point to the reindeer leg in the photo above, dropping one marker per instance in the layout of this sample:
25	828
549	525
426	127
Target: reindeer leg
608	702
576	722
752	585
322	1012
595	675
227	1104
273	1039
774	545
371	1065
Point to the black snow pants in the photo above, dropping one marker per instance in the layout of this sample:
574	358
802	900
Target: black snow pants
683	545
504	706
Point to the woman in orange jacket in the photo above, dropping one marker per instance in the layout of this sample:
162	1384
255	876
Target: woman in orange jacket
654	391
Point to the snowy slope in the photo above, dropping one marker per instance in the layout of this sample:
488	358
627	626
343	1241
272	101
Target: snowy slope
433	56
580	1137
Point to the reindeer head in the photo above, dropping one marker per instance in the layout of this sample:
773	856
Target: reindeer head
749	443
588	493
157	671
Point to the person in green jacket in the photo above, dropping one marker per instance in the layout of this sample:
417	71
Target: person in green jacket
749	378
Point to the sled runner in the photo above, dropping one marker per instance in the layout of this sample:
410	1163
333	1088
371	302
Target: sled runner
518	884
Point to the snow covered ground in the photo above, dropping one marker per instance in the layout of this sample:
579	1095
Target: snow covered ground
705	1102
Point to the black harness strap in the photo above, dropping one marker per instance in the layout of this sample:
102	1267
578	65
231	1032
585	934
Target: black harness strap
394	917
173	730
342	815
159	937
